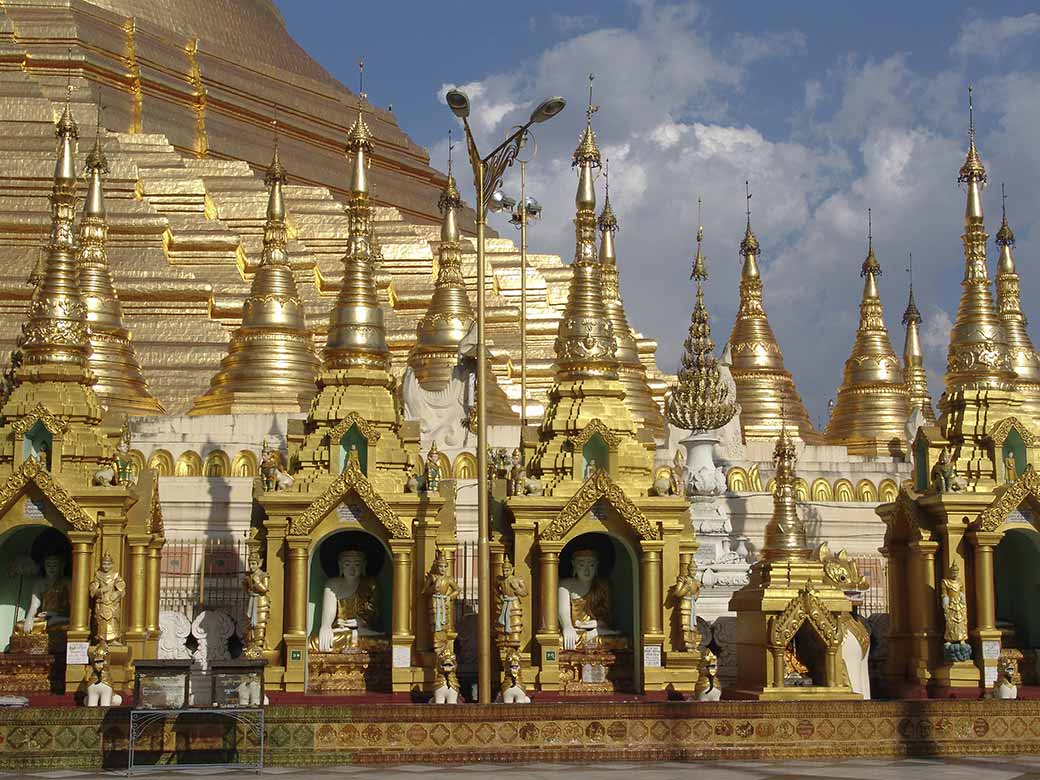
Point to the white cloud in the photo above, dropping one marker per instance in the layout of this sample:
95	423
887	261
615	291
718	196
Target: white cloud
676	124
990	37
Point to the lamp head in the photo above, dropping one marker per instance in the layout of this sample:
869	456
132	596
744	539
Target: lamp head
458	102
501	202
534	208
547	109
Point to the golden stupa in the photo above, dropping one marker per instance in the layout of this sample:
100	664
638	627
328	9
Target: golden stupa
914	374
638	397
270	365
1024	359
191	88
766	391
870	413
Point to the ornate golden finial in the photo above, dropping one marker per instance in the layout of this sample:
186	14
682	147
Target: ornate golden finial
120	383
699	400
1005	236
585	344
361	77
973	170
607	222
270	365
763	384
450	315
1024	358
914	375
871	407
700	267
67	131
749	246
588	150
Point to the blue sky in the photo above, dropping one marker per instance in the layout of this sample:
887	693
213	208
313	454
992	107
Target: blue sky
829	108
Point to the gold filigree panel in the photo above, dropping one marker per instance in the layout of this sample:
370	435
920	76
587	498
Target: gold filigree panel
40	413
352	480
595	426
599	487
806	606
32	471
366	428
993	516
1000	432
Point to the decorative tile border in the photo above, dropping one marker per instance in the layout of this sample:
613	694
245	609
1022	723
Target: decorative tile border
329	735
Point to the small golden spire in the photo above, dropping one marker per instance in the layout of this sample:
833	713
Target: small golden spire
638	396
1024	358
357	334
872	405
450	314
55	334
700	267
766	391
978	356
785	537
914	374
699	401
585	343
270	365
120	383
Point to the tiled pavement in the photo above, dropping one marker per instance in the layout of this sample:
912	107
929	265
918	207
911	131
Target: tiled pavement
988	768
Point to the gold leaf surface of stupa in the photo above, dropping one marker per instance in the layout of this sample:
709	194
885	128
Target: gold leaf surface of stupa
766	391
190	90
872	405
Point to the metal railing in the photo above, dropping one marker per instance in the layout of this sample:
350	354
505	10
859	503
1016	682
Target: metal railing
198	574
875	568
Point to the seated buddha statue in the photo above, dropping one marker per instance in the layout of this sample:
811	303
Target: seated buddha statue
48	611
584	606
349	607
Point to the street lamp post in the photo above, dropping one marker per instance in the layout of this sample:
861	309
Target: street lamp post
527	209
487	176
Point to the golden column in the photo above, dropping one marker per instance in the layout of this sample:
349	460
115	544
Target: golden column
154	569
985	596
922	607
79	617
487	175
549	583
870	414
401	552
299	546
650	590
138	577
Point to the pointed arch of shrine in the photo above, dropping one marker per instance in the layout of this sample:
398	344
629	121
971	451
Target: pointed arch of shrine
32	472
1008	499
806	607
596	488
351	481
39	413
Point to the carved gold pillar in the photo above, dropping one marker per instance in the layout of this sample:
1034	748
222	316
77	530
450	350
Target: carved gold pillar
650	586
549	584
401	550
297	598
778	667
154	567
82	547
920	624
138	578
985	598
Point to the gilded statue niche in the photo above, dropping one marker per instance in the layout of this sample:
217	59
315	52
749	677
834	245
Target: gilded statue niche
599	487
351	481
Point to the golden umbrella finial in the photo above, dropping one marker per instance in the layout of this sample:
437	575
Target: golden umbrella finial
700	268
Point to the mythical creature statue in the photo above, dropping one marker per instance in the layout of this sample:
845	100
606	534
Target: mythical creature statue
512	691
707	687
842	572
944	475
447	691
271	470
1006	686
98	681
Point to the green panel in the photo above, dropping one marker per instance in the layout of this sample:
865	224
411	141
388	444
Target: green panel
37	439
323	566
1013	445
921	464
354	438
1016	574
595	449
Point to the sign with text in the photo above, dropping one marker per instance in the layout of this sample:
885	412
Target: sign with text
76	653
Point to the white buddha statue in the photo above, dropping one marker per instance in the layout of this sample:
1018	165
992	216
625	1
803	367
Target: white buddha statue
49	600
584	605
349	606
